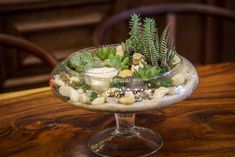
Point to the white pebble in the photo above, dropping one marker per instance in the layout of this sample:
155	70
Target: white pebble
137	58
160	92
75	79
57	76
178	79
129	98
85	99
176	60
74	95
80	91
148	93
119	50
134	68
104	95
98	101
58	82
65	90
172	91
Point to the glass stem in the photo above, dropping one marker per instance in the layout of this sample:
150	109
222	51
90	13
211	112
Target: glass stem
125	124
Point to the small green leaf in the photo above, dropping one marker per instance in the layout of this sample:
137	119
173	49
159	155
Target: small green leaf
151	83
163	70
80	60
115	61
117	82
86	87
94	95
125	63
166	83
146	72
105	52
75	60
86	57
75	84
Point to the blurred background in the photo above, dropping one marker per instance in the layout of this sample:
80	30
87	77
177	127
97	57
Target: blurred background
61	27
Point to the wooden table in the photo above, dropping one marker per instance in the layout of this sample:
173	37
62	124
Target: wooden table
35	123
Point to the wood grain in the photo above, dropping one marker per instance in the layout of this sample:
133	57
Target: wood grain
37	124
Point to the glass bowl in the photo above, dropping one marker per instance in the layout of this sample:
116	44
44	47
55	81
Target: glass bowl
98	88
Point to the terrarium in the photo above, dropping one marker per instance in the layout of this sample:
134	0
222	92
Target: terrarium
144	73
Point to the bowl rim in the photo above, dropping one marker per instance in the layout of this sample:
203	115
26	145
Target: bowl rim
169	73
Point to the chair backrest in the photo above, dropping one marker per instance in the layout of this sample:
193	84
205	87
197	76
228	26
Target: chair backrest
170	10
28	47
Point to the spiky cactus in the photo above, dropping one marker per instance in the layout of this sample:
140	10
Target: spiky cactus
135	33
149	34
157	52
163	47
170	54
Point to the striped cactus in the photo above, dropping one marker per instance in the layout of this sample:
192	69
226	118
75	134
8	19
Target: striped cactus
163	47
157	52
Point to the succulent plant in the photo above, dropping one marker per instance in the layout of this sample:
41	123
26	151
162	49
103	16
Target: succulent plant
144	39
135	33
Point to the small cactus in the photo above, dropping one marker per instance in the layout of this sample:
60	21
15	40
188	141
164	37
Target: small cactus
156	52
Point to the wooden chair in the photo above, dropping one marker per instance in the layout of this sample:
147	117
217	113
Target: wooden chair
170	10
27	47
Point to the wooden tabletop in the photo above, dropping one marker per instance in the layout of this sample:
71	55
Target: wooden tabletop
35	123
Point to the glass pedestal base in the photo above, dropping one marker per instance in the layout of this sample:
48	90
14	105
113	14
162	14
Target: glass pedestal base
140	142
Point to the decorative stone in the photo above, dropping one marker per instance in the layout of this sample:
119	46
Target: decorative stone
85	99
139	96
125	73
58	82
75	79
129	98
134	68
176	60
98	101
65	90
147	94
119	50
172	91
142	63
70	92
112	100
111	91
80	91
65	77
74	95
178	79
160	92
137	58
104	95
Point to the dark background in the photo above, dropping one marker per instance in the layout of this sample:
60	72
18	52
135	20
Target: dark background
64	26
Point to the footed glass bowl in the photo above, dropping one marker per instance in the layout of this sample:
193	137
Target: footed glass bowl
98	88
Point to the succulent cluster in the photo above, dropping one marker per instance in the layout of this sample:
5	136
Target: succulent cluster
144	55
126	73
144	39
